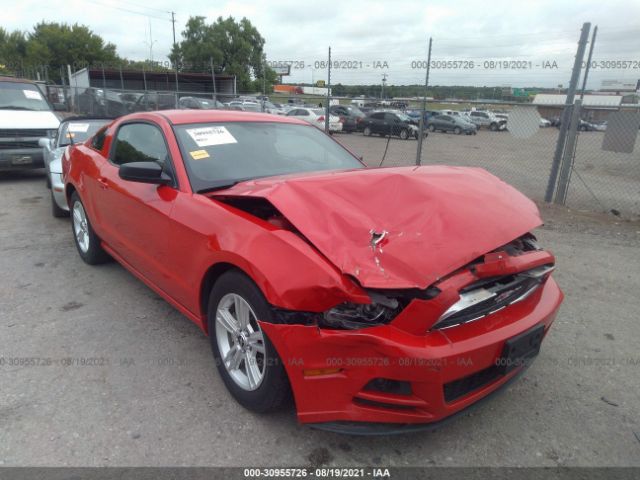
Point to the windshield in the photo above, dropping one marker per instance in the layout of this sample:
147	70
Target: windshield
404	117
21	96
78	130
220	154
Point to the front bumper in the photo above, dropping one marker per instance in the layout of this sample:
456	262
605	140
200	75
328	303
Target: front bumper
21	159
430	363
57	189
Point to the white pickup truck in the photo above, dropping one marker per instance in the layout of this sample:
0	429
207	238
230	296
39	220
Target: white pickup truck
25	117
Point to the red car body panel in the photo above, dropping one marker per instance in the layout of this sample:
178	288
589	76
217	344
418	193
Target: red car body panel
437	219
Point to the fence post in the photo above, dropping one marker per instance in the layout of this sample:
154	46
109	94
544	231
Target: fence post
213	79
326	111
424	109
571	92
567	158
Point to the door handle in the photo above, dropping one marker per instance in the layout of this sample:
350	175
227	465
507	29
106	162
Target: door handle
103	183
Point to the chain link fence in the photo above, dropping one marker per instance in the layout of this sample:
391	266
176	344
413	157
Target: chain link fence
515	141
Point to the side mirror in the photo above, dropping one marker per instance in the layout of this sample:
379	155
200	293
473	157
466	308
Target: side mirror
44	142
144	172
59	107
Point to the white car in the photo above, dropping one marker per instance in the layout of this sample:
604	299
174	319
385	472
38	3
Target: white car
316	116
71	130
544	123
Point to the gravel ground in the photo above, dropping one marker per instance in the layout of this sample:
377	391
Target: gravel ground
118	377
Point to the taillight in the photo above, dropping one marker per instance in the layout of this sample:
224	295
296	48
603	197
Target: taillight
321	118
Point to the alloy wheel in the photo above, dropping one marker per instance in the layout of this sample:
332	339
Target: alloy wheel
240	341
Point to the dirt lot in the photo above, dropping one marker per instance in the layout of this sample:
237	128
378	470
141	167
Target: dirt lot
612	179
121	378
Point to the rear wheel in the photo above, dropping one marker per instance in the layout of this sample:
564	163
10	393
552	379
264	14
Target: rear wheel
404	134
432	128
245	357
87	242
367	131
493	127
457	130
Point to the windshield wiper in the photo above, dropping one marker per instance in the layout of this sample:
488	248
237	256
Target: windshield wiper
220	186
14	107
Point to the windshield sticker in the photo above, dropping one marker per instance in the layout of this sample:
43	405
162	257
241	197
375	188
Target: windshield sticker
32	94
208	136
78	127
199	154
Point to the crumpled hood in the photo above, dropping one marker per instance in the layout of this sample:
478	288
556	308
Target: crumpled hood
438	218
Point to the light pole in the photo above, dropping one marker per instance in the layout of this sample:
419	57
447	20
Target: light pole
384	80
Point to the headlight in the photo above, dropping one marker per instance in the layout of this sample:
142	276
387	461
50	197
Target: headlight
352	316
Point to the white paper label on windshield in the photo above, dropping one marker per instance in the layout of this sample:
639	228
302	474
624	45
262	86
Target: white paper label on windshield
208	136
32	94
78	127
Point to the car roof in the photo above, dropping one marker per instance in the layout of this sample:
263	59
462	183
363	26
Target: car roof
182	117
16	80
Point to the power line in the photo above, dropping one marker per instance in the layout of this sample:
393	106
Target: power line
128	10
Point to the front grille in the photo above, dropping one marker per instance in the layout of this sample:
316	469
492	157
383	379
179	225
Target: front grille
459	388
488	296
23	132
19	144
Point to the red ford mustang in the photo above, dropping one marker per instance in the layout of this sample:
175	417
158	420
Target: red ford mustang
381	299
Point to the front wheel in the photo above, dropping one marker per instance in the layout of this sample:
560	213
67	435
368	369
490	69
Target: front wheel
493	127
245	357
87	242
404	134
457	130
432	128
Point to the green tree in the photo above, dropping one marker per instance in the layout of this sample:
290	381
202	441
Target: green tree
234	48
50	47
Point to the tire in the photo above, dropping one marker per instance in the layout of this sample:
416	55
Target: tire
432	128
404	134
583	128
91	251
417	135
457	130
493	127
267	389
367	131
56	211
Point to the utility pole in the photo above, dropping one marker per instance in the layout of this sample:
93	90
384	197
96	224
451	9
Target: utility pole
424	108
173	21
566	113
384	79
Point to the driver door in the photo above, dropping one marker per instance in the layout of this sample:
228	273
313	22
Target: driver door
136	216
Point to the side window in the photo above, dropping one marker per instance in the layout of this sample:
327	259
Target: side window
390	117
98	139
139	142
303	113
377	116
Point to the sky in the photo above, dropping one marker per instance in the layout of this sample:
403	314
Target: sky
376	39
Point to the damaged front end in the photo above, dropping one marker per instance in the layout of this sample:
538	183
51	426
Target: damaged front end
416	356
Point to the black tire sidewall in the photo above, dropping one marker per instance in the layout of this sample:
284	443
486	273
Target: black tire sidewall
274	390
